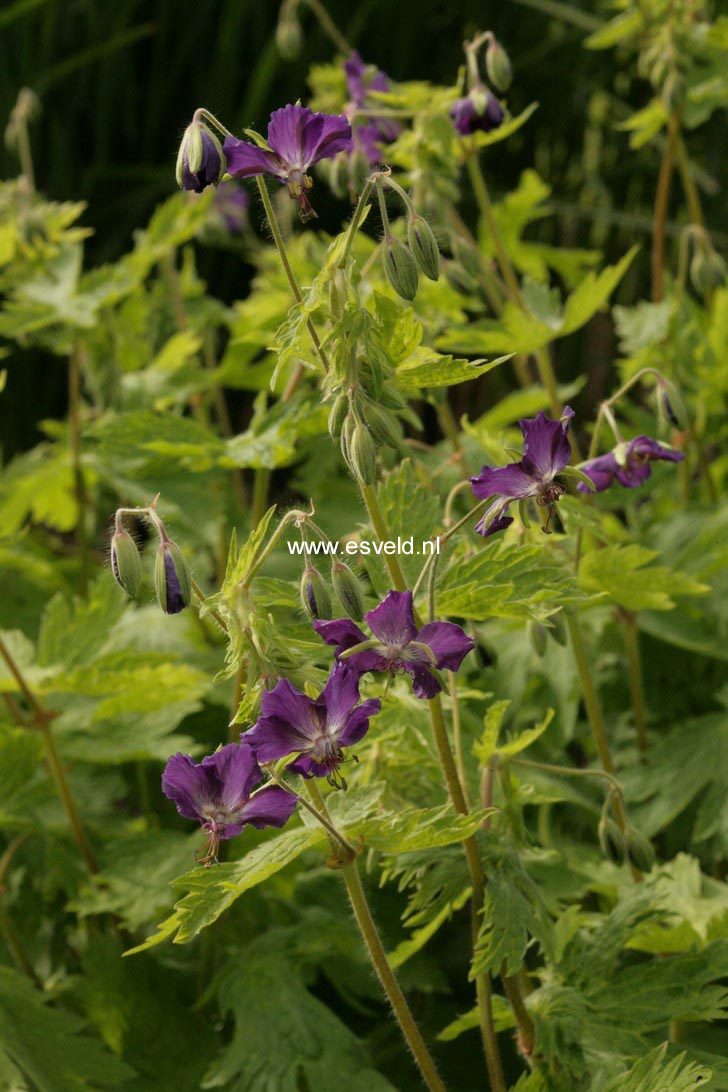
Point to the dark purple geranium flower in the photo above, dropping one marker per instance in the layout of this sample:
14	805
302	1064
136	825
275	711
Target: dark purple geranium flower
217	792
316	727
628	463
360	80
400	645
546	451
297	138
478	110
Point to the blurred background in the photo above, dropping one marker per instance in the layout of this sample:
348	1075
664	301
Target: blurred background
119	82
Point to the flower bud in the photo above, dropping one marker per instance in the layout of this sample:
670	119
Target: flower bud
400	267
315	597
126	563
200	161
557	630
172	579
391	398
536	634
347	433
611	840
670	404
423	245
707	271
348	590
384	426
459	279
639	850
498	66
337	415
338	174
289	37
363	455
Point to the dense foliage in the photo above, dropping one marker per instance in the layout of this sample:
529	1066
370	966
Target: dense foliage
504	739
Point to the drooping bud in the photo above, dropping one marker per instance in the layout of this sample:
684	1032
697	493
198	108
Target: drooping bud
348	590
363	455
201	161
423	245
384	426
400	267
289	36
557	630
315	597
498	66
126	564
172	578
639	850
391	398
611	840
536	634
707	270
670	404
347	434
337	415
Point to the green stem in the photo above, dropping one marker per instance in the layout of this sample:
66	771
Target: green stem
457	734
328	26
370	934
690	189
293	284
477	878
213	613
356	220
378	522
261	481
567	771
9	933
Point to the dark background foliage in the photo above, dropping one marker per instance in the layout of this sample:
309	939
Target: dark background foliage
118	82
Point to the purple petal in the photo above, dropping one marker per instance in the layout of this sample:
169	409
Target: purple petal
645	448
494	519
238	772
357	725
467	118
245	160
393	620
300	137
271	807
175	600
291	709
271	740
341	632
448	642
601	470
546	448
340	695
209	170
424	683
355	68
188	785
506	481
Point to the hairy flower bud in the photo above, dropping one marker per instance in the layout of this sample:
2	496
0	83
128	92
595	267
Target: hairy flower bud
423	245
498	66
348	590
337	415
384	426
707	270
611	840
172	578
315	597
289	36
363	455
200	161
557	630
126	563
391	398
639	850
400	267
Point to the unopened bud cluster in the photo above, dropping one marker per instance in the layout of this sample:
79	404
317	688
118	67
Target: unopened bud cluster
403	262
363	425
315	595
172	578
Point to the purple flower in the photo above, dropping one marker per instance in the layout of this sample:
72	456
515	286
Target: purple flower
546	451
628	463
400	646
297	138
360	80
217	792
318	728
478	110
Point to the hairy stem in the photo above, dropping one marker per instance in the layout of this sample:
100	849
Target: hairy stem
370	934
636	689
662	198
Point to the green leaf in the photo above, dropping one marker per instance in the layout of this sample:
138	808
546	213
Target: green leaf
487	745
623	573
408	514
264	990
417	828
69	1060
241	562
625	25
513	913
654	1074
209	892
426	368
